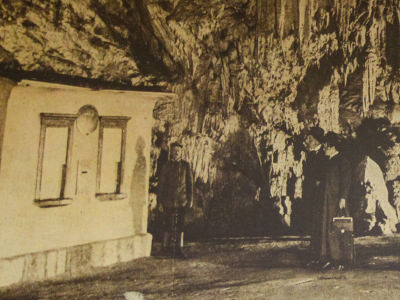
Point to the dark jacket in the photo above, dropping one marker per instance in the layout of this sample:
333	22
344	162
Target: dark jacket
175	186
312	194
336	185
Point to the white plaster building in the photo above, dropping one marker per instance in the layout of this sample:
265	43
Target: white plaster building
73	178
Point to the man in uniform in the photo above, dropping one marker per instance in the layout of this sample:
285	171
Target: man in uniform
175	194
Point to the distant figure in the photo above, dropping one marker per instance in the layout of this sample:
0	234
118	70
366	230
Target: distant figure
175	194
335	188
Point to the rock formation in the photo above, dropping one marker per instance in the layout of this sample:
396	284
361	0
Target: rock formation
372	210
251	76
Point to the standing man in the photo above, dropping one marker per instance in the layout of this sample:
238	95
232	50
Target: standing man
313	174
335	194
175	194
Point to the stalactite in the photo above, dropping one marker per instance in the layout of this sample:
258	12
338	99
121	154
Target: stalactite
344	10
199	153
371	7
369	81
277	13
283	20
226	82
284	167
376	35
283	163
260	29
304	20
328	105
288	18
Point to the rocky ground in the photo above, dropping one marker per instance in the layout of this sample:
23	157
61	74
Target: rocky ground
242	268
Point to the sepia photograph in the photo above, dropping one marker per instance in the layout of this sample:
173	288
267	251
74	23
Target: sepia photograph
199	149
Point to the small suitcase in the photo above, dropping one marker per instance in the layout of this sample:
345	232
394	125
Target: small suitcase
342	240
343	224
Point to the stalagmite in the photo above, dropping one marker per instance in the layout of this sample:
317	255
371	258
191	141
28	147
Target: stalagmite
374	210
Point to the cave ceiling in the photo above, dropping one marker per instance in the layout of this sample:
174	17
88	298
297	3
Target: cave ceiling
242	56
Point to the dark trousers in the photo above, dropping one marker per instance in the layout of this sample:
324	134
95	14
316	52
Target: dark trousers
173	234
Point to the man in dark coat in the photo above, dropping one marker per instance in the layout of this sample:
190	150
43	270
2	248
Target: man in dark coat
175	194
313	174
335	194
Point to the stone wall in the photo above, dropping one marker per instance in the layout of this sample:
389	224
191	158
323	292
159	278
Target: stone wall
72	261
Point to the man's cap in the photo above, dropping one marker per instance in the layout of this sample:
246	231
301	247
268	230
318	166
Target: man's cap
332	139
317	133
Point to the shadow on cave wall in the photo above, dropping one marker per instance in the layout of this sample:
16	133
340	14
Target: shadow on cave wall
236	203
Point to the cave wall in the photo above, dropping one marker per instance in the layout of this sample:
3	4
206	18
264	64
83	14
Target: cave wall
247	73
282	67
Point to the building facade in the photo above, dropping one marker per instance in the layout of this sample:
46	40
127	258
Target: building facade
73	178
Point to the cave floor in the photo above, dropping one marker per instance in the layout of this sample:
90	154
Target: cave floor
237	268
